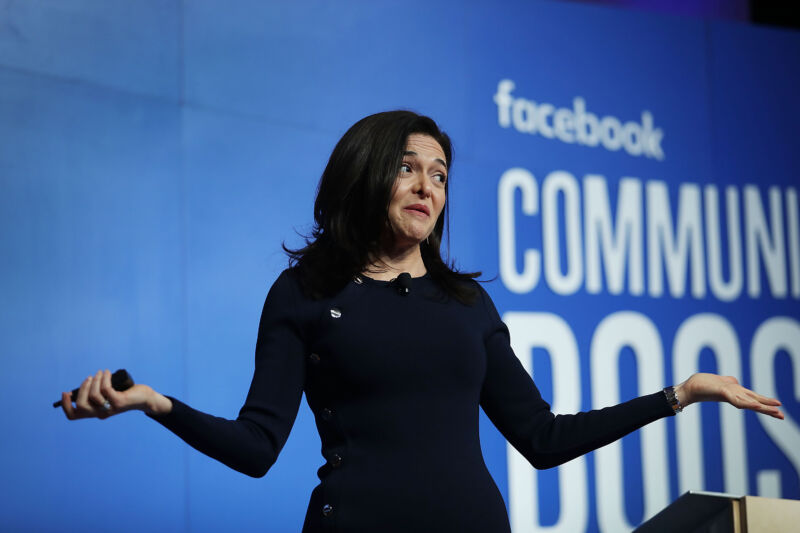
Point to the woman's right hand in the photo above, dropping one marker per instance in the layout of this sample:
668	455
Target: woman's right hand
98	399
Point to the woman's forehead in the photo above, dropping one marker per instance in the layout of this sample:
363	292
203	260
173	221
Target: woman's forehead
425	146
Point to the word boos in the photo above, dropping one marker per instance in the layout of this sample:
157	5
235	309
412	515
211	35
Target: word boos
639	333
577	125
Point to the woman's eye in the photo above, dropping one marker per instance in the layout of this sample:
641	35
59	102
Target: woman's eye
441	178
405	167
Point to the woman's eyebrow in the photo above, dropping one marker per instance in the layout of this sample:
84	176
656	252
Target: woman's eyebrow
409	152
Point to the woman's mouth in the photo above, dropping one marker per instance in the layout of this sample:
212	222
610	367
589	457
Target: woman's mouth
418	209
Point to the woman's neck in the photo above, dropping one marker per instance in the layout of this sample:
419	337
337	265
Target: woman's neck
389	264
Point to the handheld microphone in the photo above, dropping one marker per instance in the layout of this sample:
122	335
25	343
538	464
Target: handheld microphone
403	283
120	381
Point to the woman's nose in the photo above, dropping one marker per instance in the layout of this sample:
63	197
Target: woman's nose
422	186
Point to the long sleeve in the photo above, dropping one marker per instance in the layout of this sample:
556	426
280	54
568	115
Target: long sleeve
513	403
251	443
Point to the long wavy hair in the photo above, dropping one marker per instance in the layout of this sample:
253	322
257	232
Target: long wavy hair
352	204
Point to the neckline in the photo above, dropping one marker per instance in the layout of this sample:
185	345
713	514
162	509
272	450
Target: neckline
373	281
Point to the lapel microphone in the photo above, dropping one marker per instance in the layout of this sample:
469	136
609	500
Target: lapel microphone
403	283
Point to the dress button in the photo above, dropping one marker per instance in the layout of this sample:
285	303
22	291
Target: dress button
327	509
335	312
327	414
336	460
314	358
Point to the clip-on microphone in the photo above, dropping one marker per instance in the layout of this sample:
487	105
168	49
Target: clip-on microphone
403	283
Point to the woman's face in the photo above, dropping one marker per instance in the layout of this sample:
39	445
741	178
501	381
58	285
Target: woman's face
419	191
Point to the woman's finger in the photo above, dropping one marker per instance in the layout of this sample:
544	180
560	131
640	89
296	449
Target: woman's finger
82	406
115	398
764	399
66	405
95	396
769	406
760	399
746	399
767	410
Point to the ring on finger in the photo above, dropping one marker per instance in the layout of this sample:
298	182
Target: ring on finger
106	406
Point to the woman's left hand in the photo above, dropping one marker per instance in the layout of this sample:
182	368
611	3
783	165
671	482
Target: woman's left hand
713	388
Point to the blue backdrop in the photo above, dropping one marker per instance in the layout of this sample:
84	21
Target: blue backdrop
628	179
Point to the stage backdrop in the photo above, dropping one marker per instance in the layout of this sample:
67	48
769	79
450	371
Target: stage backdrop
628	182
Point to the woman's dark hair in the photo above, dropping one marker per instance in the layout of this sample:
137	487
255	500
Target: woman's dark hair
351	208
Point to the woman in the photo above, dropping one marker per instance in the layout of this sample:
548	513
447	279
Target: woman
394	366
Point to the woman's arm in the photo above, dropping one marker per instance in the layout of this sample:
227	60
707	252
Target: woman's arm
251	442
513	403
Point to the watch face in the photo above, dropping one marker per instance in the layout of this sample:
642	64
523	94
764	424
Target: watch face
669	392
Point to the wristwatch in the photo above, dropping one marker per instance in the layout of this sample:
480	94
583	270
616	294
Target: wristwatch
673	400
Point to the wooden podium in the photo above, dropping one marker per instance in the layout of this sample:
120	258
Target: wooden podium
712	512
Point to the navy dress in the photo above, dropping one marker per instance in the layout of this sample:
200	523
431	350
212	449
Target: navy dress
395	383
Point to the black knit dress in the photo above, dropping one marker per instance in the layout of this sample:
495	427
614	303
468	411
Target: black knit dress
395	382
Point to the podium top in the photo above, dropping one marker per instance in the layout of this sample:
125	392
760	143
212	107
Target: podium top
687	512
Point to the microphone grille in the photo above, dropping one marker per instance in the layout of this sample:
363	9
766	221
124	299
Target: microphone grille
404	283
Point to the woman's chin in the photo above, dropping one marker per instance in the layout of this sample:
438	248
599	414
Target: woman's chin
409	240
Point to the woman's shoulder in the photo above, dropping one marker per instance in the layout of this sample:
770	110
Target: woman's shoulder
287	285
289	275
460	286
484	301
299	284
479	306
